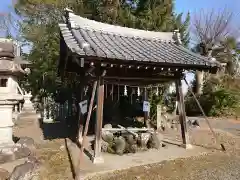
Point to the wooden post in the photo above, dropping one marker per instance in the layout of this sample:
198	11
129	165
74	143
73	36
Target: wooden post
80	117
98	126
112	92
118	95
182	114
145	98
106	91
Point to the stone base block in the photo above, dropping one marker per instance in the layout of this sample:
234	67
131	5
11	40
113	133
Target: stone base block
7	149
6	137
187	146
97	160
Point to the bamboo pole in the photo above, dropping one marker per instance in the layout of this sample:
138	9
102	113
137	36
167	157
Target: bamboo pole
204	115
87	121
131	132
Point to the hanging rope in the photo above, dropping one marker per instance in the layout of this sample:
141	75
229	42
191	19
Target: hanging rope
132	86
204	115
157	92
125	90
138	91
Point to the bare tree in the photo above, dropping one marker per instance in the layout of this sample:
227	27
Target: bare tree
3	23
10	22
211	27
209	30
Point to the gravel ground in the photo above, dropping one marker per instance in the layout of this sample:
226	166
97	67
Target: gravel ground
216	165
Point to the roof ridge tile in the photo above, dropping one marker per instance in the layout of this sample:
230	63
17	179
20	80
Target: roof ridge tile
77	22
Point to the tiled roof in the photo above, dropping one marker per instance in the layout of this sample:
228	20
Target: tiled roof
91	38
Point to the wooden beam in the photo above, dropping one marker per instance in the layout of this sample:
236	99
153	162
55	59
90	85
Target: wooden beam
155	65
140	78
129	129
134	83
182	115
99	118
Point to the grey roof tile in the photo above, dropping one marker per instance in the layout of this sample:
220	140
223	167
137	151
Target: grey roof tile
70	39
123	49
115	42
92	41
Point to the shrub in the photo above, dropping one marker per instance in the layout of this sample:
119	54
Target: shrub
219	98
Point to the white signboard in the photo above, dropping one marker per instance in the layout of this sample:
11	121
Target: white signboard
83	106
146	106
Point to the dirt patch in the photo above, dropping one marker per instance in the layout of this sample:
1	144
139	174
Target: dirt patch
205	139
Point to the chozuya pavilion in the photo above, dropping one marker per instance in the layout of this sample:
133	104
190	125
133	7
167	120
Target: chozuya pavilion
105	54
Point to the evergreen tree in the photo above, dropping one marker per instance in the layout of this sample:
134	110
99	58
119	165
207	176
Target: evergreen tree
40	18
155	15
158	15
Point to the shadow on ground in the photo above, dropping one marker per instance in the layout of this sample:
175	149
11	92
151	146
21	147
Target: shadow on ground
54	130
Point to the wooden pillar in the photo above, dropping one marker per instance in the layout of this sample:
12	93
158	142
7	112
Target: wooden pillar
98	126
112	92
145	98
182	115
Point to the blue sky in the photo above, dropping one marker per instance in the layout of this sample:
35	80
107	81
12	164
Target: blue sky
4	5
196	5
192	6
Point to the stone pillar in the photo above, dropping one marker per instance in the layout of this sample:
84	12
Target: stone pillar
159	117
6	125
28	105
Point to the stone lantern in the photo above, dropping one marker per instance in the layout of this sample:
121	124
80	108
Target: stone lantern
10	70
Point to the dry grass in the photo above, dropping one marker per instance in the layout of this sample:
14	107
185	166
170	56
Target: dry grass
200	167
55	162
215	165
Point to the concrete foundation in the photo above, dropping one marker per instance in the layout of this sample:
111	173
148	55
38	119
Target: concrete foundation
187	146
98	160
